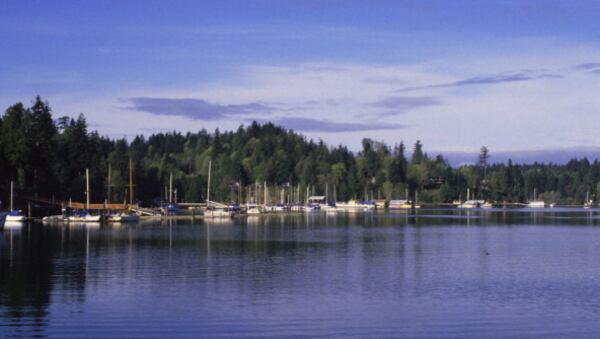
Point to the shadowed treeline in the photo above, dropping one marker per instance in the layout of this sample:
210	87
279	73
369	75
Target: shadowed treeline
47	156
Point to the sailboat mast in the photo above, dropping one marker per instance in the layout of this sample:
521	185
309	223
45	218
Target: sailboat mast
265	193
334	194
307	193
130	182
587	196
171	188
87	188
208	187
109	182
11	194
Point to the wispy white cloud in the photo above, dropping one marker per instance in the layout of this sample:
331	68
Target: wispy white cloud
486	80
527	108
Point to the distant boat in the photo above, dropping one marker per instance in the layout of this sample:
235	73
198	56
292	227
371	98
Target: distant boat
275	208
354	206
536	203
589	203
126	216
84	216
218	213
55	218
487	204
252	209
471	204
123	217
379	203
401	204
14	215
215	210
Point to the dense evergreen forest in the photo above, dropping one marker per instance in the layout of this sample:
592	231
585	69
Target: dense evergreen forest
47	158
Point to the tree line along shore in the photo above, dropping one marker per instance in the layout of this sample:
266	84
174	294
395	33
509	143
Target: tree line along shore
46	156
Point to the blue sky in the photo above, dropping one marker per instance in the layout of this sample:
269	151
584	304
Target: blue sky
513	75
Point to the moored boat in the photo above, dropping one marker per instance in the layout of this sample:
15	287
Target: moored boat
536	204
54	218
401	204
354	206
312	208
218	213
123	217
84	216
471	204
252	209
15	216
487	204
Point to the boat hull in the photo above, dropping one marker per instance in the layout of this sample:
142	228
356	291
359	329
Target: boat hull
124	218
15	218
218	214
87	218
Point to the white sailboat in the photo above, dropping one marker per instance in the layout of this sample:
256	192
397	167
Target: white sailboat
536	203
354	206
123	217
85	216
215	210
126	216
14	215
471	203
252	209
588	202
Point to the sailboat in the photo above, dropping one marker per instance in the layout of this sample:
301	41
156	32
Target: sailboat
588	202
536	203
471	203
252	208
84	215
126	216
14	215
215	210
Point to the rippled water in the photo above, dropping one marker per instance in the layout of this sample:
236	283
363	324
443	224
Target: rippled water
468	274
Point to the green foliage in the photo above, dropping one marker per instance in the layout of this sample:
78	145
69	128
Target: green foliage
48	159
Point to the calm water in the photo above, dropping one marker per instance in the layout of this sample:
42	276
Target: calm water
435	274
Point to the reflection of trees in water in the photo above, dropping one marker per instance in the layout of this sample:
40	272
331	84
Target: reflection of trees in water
29	272
25	278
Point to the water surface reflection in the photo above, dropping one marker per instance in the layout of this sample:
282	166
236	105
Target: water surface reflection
433	273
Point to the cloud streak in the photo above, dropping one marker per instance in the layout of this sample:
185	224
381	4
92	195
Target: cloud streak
196	109
588	66
401	104
317	125
486	80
